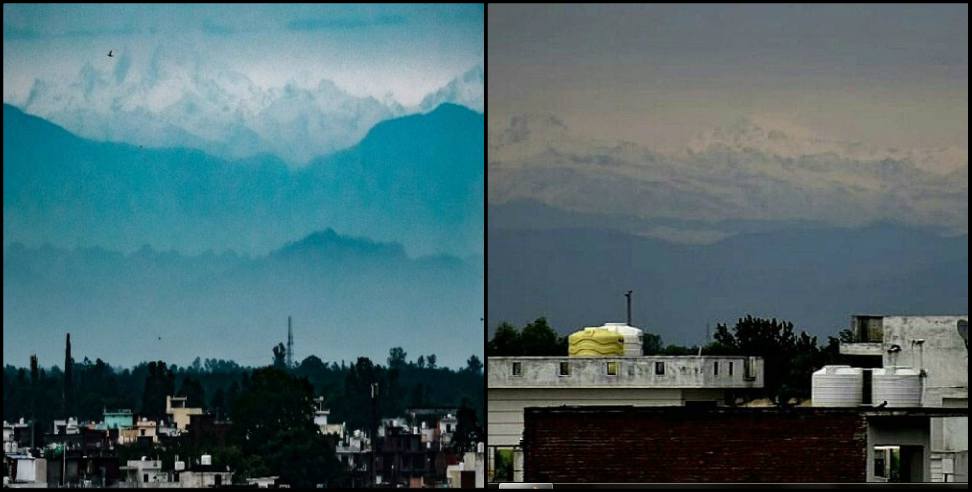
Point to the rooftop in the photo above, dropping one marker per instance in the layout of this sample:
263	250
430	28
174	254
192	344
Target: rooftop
704	371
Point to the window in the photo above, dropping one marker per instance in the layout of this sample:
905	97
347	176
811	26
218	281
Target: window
659	368
730	368
715	368
145	477
612	368
565	368
219	480
517	369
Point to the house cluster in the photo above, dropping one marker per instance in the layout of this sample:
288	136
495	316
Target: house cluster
414	451
85	454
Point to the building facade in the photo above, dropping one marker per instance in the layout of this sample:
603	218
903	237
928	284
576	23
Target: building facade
937	346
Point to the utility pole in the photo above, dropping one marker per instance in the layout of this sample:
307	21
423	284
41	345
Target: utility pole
628	295
374	430
33	397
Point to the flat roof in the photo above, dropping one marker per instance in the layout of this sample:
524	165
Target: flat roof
717	410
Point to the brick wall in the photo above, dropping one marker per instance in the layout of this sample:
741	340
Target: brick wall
679	444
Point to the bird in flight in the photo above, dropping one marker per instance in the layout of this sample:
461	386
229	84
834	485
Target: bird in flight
110	55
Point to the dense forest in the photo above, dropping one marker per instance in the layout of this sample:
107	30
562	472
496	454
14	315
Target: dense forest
216	385
789	357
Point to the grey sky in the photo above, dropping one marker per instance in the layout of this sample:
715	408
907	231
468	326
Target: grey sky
888	75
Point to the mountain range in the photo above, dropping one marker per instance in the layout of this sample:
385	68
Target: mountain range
756	217
168	101
348	296
814	276
743	172
417	180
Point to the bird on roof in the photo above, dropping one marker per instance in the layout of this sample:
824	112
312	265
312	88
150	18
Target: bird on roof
110	55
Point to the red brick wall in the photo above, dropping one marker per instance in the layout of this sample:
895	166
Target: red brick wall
676	444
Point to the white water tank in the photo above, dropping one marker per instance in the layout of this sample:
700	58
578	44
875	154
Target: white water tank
899	386
837	386
632	337
206	460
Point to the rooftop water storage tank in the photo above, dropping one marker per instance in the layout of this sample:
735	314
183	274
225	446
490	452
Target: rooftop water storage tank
595	342
632	337
899	386
837	386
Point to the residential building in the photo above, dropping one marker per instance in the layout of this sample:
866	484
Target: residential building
605	371
175	406
937	347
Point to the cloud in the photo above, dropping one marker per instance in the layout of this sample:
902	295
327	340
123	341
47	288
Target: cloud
344	22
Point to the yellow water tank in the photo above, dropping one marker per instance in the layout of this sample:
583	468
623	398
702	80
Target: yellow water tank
595	342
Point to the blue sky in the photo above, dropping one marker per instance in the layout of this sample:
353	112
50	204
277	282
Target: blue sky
402	51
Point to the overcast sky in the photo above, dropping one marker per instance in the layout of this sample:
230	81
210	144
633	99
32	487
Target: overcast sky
889	75
402	50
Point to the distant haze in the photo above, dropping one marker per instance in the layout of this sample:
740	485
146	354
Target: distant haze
806	162
178	179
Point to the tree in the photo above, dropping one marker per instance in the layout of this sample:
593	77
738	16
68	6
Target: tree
431	361
538	338
193	391
159	383
474	365
218	403
280	357
232	394
357	392
274	419
651	344
420	362
505	342
788	359
468	431
396	358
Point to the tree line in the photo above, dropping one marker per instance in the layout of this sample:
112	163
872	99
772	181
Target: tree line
789	358
254	399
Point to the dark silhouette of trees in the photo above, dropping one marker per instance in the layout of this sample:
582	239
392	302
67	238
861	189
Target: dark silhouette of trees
474	365
159	383
280	357
536	338
273	418
193	390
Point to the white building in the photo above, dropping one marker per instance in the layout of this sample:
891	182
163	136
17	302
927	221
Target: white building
936	346
145	473
472	466
25	471
515	383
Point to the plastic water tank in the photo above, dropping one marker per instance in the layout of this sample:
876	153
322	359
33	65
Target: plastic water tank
837	386
632	337
595	342
899	386
206	460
